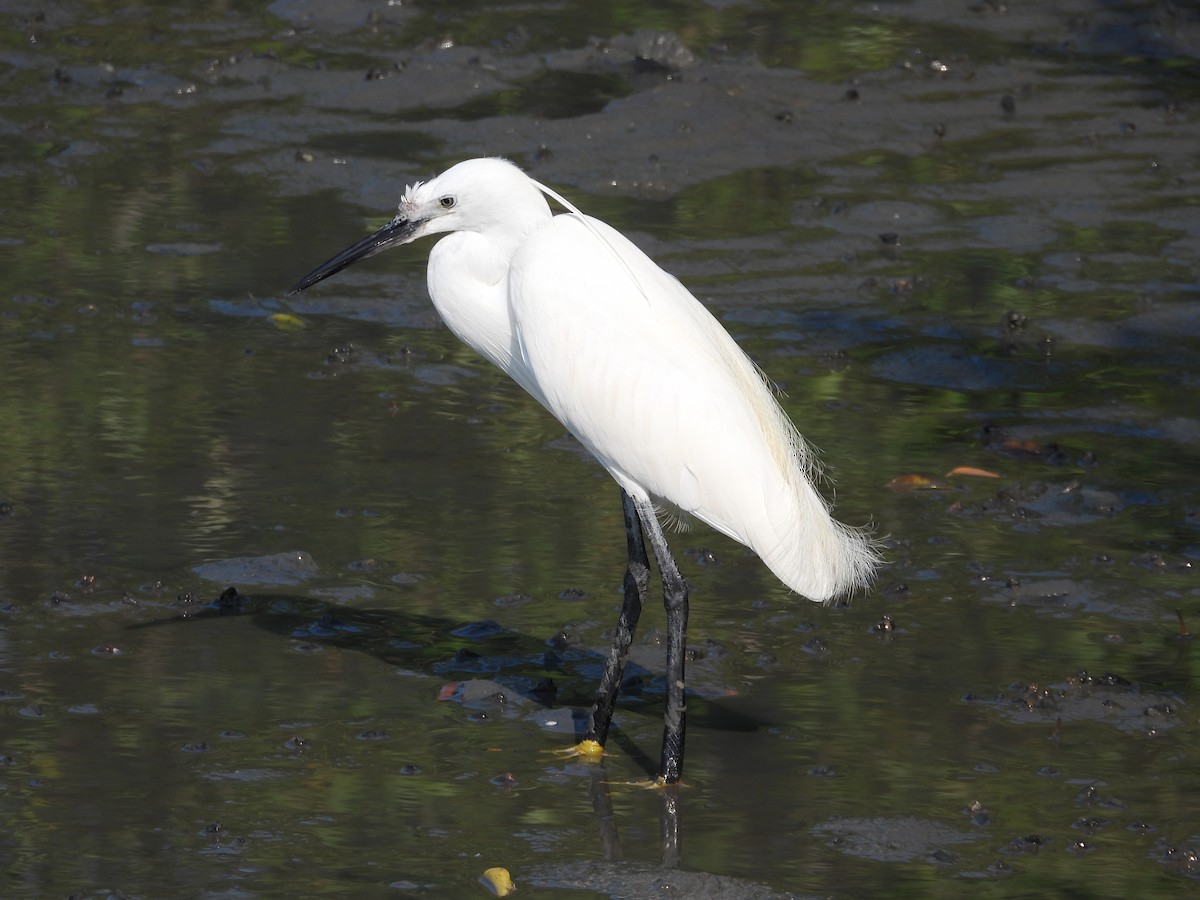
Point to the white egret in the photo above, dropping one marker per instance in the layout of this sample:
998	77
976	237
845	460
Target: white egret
644	376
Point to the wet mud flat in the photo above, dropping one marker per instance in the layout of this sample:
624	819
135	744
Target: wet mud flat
962	240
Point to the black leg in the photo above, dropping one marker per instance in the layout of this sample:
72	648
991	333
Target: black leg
675	599
637	579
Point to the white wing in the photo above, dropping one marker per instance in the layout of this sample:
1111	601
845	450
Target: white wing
648	380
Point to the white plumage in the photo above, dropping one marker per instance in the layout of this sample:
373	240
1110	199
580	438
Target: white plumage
634	366
643	375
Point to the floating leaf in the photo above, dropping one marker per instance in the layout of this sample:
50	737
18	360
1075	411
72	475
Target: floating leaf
972	472
287	322
914	482
498	881
1030	447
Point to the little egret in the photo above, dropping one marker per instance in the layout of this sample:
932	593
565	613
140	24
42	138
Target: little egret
644	376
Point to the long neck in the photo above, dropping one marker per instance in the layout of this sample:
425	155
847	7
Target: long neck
468	283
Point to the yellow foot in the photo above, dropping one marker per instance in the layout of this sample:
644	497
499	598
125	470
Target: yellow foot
652	784
591	751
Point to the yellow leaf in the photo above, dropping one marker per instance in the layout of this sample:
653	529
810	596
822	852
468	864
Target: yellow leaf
287	322
498	881
972	471
913	482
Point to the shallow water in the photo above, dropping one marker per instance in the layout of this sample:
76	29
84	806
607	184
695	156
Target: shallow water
954	240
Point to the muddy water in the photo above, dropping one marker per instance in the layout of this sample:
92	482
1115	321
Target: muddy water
955	239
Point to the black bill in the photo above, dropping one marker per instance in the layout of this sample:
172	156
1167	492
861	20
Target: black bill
397	231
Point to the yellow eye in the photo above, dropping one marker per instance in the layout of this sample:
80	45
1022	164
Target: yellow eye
447	202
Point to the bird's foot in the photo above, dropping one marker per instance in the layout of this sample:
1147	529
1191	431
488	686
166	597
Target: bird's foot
658	783
587	750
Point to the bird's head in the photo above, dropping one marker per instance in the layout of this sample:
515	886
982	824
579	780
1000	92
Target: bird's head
485	195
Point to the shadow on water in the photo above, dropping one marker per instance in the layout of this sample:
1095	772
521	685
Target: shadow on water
491	667
495	669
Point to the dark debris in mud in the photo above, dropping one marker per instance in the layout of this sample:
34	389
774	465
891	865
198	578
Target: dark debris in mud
1106	698
903	839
